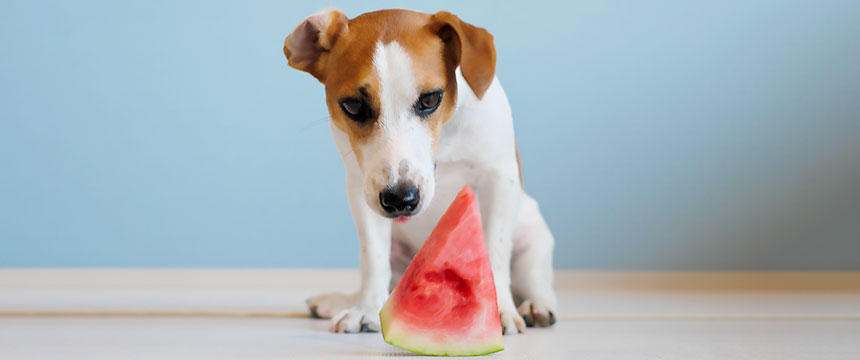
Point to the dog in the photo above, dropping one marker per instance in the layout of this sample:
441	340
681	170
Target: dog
416	113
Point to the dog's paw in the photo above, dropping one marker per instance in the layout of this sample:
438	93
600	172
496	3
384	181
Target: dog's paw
354	320
512	322
325	306
536	313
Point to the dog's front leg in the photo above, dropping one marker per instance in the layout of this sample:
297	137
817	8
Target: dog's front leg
499	196
374	238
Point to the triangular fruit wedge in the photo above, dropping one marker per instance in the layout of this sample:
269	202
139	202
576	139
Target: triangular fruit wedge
445	303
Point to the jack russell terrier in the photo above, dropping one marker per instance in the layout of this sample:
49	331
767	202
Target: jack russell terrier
416	113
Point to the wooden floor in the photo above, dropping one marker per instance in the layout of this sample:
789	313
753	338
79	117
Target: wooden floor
259	314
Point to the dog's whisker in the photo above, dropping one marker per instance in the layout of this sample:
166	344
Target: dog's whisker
314	123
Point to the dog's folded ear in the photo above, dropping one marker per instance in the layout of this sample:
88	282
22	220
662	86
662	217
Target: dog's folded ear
307	46
468	46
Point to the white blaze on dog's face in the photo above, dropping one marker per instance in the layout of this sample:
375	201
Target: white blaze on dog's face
398	157
390	86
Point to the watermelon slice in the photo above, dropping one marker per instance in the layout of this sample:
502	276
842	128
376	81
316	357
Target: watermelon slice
445	303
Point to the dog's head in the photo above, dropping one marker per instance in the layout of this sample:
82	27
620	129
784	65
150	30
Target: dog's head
390	85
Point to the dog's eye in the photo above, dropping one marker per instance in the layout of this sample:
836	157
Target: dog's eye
428	102
355	109
351	106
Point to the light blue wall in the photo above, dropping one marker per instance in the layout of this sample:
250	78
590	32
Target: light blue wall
656	134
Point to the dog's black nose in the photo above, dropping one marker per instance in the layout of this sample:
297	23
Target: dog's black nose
399	200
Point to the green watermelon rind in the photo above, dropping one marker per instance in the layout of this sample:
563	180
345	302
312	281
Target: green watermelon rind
400	341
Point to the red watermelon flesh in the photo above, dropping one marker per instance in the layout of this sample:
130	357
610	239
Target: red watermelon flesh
445	303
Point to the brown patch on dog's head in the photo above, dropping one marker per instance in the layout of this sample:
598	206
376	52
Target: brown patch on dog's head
308	46
468	46
339	52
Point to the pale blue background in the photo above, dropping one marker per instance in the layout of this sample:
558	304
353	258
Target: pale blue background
656	134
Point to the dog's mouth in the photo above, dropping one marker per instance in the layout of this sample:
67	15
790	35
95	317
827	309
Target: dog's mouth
402	219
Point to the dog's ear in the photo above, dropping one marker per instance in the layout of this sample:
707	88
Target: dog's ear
307	46
468	46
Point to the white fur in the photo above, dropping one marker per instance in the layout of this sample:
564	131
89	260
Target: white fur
400	149
476	147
